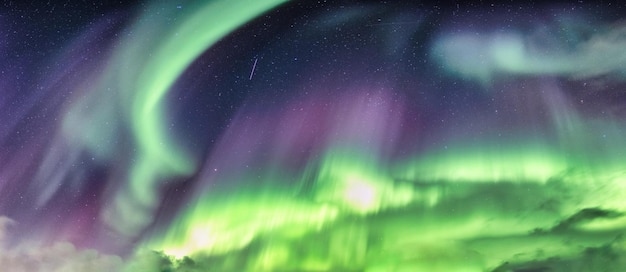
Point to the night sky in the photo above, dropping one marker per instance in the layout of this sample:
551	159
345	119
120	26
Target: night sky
274	135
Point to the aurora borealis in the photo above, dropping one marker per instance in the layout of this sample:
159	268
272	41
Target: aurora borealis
275	135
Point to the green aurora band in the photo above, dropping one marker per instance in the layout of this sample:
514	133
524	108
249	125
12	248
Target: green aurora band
359	217
141	71
487	206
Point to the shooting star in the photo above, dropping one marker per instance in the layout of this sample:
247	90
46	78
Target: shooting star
253	68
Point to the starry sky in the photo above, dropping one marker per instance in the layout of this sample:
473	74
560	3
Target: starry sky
275	135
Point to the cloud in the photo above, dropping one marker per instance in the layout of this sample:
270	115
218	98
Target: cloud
5	222
483	56
58	257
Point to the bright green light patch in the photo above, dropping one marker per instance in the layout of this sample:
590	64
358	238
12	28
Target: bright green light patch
360	193
486	163
359	183
220	224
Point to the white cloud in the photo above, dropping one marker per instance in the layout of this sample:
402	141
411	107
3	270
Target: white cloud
59	257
